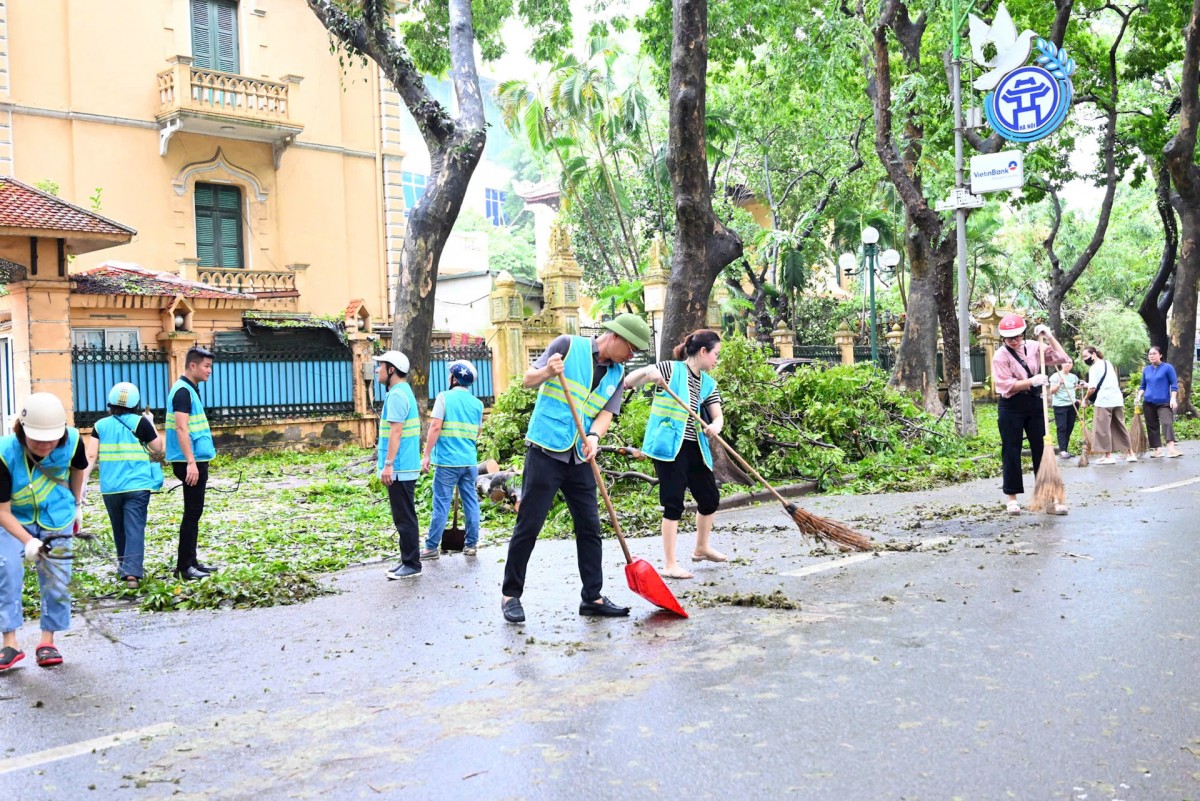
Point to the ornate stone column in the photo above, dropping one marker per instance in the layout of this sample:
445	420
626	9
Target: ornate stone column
785	342
560	282
507	312
844	339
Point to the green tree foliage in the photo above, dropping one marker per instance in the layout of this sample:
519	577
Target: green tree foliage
1118	333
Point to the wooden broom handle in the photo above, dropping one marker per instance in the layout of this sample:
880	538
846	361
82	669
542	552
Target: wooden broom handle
612	513
744	464
1042	345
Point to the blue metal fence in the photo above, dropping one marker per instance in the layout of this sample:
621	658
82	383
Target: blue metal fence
95	370
480	356
257	383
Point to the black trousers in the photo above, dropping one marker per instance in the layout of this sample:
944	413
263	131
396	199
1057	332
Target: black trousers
1064	421
1159	415
542	478
686	471
404	516
193	510
1019	417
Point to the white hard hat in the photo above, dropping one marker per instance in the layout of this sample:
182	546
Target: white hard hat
44	418
395	358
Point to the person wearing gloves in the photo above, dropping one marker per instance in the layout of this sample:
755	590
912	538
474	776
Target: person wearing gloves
450	446
129	448
681	454
1016	373
1062	387
399	458
43	466
1159	398
1109	433
593	371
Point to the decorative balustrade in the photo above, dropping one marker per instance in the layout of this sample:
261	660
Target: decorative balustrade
248	282
184	87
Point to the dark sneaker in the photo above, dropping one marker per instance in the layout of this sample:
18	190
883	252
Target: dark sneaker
205	568
513	612
403	571
429	553
603	608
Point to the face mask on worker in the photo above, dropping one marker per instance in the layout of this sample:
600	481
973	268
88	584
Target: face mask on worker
1089	359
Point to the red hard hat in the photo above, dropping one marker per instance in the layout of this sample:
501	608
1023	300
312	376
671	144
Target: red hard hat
1012	325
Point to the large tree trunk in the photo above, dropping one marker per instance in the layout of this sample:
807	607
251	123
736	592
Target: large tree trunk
455	148
1180	155
703	245
1159	295
916	366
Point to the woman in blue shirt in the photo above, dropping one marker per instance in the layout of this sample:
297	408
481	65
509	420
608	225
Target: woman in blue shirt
1159	397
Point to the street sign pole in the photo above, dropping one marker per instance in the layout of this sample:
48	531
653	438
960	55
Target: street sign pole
966	425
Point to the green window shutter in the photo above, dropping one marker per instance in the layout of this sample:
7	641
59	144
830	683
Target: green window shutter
202	51
219	226
205	240
225	28
214	35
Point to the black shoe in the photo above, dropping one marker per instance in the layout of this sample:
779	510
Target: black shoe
512	610
603	608
205	568
190	574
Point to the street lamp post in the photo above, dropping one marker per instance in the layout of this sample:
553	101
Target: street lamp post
887	261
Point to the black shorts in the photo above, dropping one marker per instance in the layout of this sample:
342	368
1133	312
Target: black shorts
687	471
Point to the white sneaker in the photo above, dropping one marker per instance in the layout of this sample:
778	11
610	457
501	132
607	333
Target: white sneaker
1105	460
1131	458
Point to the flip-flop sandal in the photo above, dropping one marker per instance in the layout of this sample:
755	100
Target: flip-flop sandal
10	656
1174	455
677	574
47	656
131	582
706	558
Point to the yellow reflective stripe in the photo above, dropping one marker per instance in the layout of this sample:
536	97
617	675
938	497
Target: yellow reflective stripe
128	457
554	390
453	425
456	435
385	428
411	427
109	447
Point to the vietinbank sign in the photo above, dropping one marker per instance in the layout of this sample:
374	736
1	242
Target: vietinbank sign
997	172
1026	102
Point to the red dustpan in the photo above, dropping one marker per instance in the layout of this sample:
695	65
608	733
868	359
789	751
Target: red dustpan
643	579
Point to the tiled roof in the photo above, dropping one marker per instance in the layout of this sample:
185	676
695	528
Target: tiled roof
115	278
23	206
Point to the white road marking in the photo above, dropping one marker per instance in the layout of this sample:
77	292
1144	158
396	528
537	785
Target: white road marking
1183	483
858	557
84	747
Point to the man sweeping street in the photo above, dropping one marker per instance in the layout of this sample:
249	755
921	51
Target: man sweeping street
556	459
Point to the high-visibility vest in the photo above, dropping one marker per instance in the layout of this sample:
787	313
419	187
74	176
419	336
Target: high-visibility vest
199	433
408	455
551	426
668	420
38	497
124	464
460	428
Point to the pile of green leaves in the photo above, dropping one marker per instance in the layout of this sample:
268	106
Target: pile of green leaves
842	427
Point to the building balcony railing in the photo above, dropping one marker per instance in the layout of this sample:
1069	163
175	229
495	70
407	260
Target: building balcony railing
250	282
219	103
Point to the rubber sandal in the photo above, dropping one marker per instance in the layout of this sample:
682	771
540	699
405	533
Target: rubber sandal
131	582
1175	455
1058	509
706	558
1013	508
10	656
47	656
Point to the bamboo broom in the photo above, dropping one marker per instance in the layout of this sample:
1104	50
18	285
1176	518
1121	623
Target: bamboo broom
808	523
1048	490
1085	446
1138	441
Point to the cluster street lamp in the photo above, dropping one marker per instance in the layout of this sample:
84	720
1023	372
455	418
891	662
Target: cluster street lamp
887	261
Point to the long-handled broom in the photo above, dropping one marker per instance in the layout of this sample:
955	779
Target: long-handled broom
1085	446
1139	443
808	523
1048	490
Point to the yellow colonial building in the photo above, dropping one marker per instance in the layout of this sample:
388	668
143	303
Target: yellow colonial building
223	131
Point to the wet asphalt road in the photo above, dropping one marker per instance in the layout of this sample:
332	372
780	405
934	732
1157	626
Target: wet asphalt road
1027	658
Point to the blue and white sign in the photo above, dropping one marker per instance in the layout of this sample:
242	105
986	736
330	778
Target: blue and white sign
997	172
1031	102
